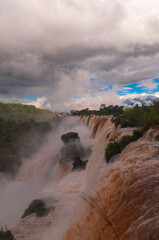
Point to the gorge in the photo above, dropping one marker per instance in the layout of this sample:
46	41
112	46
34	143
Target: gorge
126	189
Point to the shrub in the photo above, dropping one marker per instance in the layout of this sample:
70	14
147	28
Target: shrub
136	135
79	164
125	141
115	147
66	138
112	149
36	206
157	138
104	110
143	117
6	235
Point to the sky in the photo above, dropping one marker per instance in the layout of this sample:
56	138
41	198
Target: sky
74	54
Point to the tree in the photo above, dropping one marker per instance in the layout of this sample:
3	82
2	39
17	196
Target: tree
102	106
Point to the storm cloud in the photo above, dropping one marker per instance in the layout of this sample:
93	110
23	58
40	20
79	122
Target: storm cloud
54	48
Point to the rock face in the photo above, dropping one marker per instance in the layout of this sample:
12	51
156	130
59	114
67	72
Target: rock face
79	164
38	207
72	148
9	161
70	151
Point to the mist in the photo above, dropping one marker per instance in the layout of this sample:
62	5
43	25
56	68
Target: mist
15	198
38	173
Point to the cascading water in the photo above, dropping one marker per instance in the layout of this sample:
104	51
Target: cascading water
43	177
127	190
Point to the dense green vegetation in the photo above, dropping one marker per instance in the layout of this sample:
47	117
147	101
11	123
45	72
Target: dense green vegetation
10	130
70	136
23	129
115	147
110	110
78	164
143	117
24	112
6	235
128	139
19	139
20	135
36	206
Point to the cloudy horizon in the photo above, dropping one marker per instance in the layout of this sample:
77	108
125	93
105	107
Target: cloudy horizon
72	54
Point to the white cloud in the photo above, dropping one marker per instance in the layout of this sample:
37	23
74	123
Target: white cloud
40	102
55	47
133	95
91	102
126	88
149	85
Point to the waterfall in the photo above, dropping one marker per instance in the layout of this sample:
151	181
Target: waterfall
127	190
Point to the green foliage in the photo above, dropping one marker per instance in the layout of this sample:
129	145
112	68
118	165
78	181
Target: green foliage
79	164
6	235
70	136
110	110
19	139
128	139
137	134
114	148
22	130
24	112
125	141
36	206
157	138
143	117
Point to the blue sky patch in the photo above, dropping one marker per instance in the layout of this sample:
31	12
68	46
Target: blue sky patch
94	80
156	80
138	88
76	96
106	88
31	97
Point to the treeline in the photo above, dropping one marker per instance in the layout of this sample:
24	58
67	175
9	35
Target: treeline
138	116
104	110
24	112
19	139
23	129
143	117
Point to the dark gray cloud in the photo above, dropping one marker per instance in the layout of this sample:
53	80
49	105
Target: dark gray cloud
55	47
